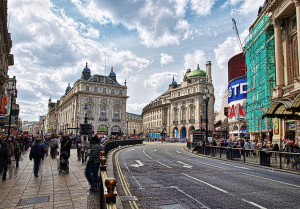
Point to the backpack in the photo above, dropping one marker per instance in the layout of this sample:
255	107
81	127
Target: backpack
33	152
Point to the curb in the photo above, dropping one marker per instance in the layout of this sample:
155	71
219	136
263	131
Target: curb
250	164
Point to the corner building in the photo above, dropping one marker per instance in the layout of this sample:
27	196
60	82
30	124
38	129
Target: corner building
181	109
101	98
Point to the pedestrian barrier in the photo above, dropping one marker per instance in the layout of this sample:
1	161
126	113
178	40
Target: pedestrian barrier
107	185
276	159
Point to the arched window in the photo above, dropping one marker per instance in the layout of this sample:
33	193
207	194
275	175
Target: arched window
103	113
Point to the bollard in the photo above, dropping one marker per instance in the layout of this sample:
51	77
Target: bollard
110	184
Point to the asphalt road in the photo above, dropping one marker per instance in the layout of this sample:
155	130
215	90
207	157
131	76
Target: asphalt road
166	176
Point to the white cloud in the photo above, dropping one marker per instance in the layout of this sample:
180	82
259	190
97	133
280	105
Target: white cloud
165	59
135	107
249	6
202	7
157	80
51	49
158	23
192	60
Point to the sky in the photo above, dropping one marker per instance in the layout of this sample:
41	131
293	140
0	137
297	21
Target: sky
147	42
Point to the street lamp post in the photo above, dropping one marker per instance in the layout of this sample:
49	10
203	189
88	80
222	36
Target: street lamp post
206	100
11	104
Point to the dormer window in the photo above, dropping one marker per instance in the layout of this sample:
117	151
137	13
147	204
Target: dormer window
104	90
120	92
96	89
87	88
112	91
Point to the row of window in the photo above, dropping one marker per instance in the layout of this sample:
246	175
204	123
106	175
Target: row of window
105	91
103	113
183	113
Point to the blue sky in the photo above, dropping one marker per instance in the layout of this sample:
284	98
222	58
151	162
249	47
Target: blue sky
146	41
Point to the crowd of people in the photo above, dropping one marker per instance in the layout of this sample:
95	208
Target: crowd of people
12	149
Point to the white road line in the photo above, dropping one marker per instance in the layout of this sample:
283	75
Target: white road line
208	184
236	166
200	203
162	164
155	150
185	165
147	155
253	203
178	152
270	179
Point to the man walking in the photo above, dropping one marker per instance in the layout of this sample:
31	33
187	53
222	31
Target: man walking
4	158
93	164
53	146
37	152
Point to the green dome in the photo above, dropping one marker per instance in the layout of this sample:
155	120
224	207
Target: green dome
196	72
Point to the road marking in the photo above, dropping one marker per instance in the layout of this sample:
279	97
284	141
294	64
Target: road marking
270	179
132	149
139	163
200	203
178	152
236	166
253	203
147	155
162	164
208	184
185	165
155	150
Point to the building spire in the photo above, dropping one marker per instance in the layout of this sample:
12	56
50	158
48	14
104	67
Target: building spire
86	65
112	69
198	68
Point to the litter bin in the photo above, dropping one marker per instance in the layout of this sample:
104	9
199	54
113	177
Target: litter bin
265	158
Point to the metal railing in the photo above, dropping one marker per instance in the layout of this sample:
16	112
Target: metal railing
276	159
107	185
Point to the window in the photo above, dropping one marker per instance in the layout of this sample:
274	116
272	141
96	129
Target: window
183	113
120	92
189	91
116	113
117	101
103	113
104	90
179	94
89	111
87	88
104	101
96	89
176	114
112	91
192	112
194	90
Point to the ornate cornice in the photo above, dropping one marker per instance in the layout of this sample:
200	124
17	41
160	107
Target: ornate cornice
277	22
297	2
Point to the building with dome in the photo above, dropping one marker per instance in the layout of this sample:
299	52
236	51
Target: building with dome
102	99
182	108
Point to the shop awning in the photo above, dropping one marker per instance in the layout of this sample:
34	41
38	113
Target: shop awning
296	104
281	109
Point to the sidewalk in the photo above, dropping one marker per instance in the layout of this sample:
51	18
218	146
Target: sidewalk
55	191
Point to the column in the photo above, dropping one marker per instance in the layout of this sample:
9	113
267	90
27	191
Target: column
297	4
278	57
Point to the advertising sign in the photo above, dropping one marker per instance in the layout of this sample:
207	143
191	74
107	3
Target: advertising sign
3	105
237	90
276	126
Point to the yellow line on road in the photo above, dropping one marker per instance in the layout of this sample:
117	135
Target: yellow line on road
124	182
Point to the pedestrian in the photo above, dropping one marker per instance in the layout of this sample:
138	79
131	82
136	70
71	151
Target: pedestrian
83	149
78	142
53	146
17	153
37	153
4	158
93	164
66	145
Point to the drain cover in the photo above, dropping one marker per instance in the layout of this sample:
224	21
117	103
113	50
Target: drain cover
175	206
34	200
128	198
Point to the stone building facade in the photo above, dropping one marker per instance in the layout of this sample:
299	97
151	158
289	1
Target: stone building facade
181	109
134	124
99	98
6	59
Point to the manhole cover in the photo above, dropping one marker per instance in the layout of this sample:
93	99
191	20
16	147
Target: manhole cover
175	206
128	198
34	200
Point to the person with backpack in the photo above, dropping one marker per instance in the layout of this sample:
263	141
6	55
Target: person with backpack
37	153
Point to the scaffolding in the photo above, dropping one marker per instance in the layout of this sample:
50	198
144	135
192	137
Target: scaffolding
260	62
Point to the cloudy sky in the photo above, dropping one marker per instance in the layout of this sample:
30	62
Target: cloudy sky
146	41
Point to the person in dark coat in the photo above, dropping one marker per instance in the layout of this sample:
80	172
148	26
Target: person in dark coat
4	158
66	144
37	153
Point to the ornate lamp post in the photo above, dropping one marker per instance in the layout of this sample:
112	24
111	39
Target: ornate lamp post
206	100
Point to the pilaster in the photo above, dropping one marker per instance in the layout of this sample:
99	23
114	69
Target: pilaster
297	4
